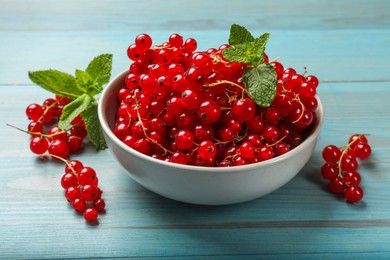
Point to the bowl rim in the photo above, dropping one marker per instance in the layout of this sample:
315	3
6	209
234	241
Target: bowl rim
233	169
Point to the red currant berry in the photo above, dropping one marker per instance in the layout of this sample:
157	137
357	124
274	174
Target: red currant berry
362	150
34	112
207	150
179	157
79	204
69	180
349	164
357	138
255	139
72	193
56	133
312	80
73	166
86	175
143	41
353	194
91	215
271	134
247	150
99	205
39	145
256	124
174	106
243	109
203	132
239	161
208	112
265	153
302	118
89	192
35	128
337	185
63	100
131	82
190	99
278	68
143	145
75	143
281	148
272	116
190	45
352	178
134	52
59	148
329	170
176	40
184	139
331	153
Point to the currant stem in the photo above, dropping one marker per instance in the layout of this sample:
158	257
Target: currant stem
276	59
303	109
279	141
340	175
37	133
67	162
47	109
25	131
220	82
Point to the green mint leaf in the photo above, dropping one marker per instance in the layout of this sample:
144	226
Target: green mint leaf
73	109
85	83
100	69
261	83
248	53
57	82
239	34
251	53
95	134
260	43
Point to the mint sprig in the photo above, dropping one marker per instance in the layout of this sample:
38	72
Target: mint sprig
260	78
81	88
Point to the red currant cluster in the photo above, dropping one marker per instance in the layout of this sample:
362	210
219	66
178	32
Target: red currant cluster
80	183
341	166
81	190
55	141
191	107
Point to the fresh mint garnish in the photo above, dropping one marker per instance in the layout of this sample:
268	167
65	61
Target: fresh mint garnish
100	69
260	78
57	82
91	119
81	88
239	34
73	109
259	82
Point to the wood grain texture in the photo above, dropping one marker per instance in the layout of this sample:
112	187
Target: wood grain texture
345	43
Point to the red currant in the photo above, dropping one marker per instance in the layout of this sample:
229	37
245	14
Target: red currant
353	194
331	153
91	215
39	145
207	150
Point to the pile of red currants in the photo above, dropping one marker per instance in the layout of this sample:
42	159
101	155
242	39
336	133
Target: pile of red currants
48	140
55	141
341	165
191	107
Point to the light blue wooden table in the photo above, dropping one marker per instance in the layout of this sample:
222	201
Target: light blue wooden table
345	43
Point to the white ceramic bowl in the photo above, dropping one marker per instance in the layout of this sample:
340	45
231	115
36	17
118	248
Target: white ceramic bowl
202	185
